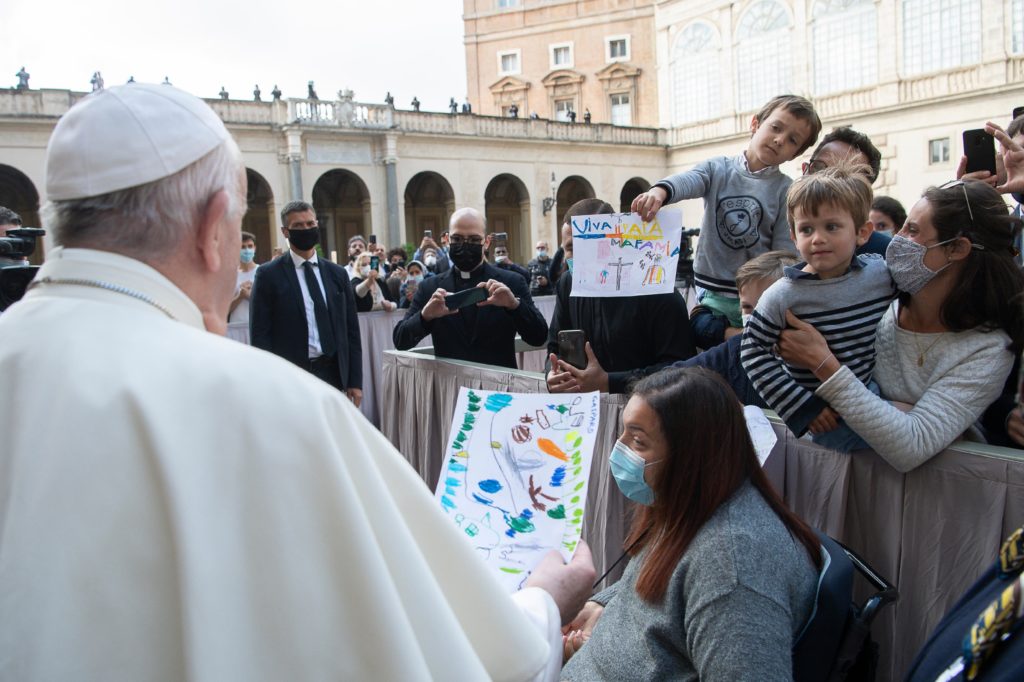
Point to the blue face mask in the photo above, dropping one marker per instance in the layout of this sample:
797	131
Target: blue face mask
628	470
568	264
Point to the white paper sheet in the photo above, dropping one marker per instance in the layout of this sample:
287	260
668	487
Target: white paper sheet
621	255
761	432
516	473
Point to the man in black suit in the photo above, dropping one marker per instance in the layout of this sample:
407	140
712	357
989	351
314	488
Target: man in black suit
303	309
484	332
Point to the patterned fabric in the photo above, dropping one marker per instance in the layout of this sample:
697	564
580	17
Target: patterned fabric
996	621
1011	556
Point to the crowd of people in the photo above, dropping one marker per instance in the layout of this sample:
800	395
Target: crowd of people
159	534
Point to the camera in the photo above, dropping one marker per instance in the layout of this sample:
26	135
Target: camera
684	271
15	272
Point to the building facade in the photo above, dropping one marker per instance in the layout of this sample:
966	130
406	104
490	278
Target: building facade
912	74
371	169
553	57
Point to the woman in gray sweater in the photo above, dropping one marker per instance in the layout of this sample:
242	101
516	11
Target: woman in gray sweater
722	576
945	347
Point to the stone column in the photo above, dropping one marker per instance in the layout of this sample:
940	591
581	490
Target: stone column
391	178
295	164
295	176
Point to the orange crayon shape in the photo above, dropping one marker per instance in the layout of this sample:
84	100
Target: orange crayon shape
549	448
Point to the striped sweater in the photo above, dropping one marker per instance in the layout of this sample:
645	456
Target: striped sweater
846	311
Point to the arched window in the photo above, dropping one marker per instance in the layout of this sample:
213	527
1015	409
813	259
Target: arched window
1017	27
845	45
763	63
940	35
696	91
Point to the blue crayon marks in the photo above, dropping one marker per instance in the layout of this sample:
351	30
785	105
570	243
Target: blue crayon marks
482	500
490	486
496	402
558	477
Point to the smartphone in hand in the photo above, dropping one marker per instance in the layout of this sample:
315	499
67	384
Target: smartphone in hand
980	150
374	262
461	299
571	343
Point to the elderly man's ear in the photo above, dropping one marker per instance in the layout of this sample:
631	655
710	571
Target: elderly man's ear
214	230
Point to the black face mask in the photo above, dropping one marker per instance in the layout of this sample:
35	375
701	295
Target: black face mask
467	256
304	240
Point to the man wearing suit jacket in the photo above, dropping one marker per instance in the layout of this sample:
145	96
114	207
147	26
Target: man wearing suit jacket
303	309
484	332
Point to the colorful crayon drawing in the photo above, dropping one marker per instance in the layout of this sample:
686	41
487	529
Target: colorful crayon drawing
515	475
621	255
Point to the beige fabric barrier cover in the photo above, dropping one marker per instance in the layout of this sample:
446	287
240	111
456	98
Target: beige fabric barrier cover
932	531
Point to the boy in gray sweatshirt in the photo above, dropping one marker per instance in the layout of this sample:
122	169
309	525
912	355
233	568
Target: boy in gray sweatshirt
744	207
841	294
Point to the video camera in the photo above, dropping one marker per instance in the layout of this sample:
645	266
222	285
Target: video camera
15	272
684	270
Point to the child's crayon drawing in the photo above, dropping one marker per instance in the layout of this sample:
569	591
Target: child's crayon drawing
515	475
620	254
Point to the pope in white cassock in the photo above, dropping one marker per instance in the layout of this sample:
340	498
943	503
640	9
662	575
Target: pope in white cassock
175	505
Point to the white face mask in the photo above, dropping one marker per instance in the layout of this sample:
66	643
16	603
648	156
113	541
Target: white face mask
905	259
430	261
364	271
542	253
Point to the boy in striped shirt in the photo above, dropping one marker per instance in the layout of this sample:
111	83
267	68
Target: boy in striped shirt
841	294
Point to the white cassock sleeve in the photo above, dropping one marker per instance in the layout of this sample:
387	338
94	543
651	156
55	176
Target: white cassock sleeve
540	608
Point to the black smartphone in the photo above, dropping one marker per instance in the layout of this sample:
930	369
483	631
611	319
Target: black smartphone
980	150
374	262
373	239
461	299
1017	111
500	238
571	344
428	234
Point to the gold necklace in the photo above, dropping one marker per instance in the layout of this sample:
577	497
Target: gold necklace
922	354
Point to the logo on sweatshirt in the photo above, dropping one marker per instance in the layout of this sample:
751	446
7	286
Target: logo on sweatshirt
738	218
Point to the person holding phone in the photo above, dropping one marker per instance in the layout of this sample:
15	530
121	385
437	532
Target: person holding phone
619	334
370	295
478	326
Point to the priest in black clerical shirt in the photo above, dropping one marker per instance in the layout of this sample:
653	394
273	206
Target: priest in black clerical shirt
483	332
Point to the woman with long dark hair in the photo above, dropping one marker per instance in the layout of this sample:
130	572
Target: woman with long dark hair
722	575
944	349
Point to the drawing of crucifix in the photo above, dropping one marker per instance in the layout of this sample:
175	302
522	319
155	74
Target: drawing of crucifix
618	272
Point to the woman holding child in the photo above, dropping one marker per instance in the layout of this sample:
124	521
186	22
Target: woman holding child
722	575
945	347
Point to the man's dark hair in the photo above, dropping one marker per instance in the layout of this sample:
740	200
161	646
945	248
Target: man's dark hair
9	217
587	207
357	238
891	208
294	207
858	141
1016	126
396	252
248	236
